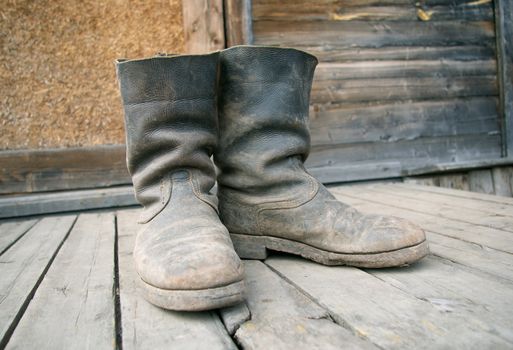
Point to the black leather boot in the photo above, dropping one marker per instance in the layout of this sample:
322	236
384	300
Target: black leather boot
183	253
267	198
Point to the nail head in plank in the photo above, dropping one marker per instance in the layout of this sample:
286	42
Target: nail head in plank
145	326
74	305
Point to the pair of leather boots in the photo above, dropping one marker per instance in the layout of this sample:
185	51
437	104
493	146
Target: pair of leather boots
248	107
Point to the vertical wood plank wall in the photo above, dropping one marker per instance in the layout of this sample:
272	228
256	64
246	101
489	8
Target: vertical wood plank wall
203	25
504	30
401	84
497	180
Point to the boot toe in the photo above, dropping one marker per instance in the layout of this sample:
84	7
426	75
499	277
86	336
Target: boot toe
190	261
389	233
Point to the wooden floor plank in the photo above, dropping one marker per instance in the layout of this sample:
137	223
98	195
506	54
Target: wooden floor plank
65	201
472	255
233	316
484	207
485	236
382	313
459	249
458	193
10	231
145	326
284	318
454	290
22	266
74	305
395	199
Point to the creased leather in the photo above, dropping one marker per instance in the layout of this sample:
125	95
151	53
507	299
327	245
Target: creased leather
264	188
170	105
264	134
167	101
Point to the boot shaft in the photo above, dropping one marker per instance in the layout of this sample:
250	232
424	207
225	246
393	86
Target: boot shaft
263	120
170	105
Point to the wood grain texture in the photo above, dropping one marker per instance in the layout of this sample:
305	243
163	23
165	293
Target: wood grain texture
409	153
383	314
482	236
203	25
398	11
238	22
62	169
397	80
233	316
65	201
24	265
503	181
491	261
73	306
487	208
401	69
283	318
328	53
366	122
145	326
474	216
481	181
454	289
454	181
11	231
471	247
372	35
384	89
504	28
461	194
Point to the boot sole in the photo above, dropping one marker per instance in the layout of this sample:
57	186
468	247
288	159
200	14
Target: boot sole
256	247
194	300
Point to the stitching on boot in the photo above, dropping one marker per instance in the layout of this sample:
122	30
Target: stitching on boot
166	189
289	204
200	196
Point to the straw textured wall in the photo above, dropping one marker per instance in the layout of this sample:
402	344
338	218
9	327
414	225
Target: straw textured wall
57	77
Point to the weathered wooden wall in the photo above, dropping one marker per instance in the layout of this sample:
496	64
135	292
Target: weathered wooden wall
401	84
497	180
404	88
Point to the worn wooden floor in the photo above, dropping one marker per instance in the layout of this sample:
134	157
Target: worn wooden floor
67	282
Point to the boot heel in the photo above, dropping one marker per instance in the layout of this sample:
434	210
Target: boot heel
249	247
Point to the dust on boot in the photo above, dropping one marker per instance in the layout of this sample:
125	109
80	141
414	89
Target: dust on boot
183	253
267	198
